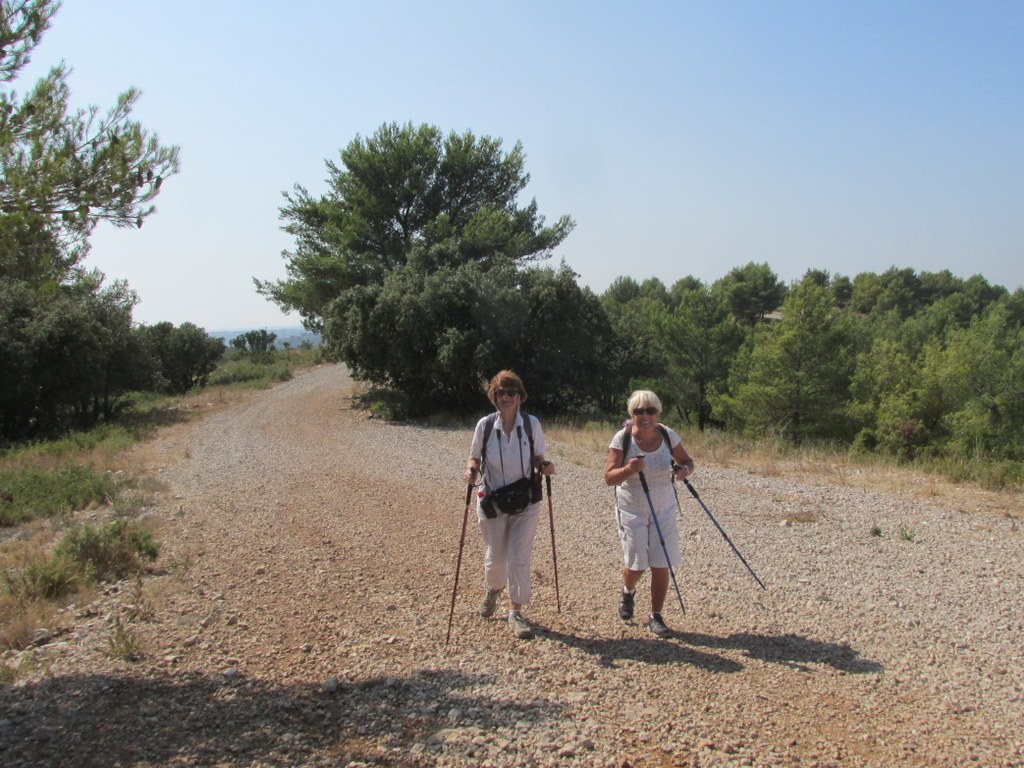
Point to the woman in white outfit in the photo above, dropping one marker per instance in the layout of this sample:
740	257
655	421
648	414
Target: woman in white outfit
506	457
653	449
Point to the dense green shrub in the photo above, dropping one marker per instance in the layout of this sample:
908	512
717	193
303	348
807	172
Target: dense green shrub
30	492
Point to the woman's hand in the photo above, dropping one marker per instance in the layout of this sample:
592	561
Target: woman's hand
547	468
681	471
470	475
636	464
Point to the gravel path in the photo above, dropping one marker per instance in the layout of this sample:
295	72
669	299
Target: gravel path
299	612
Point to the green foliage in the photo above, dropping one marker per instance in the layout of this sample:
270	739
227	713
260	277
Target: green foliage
386	404
451	200
123	643
68	354
699	339
752	292
184	356
250	374
794	377
107	553
84	555
418	267
257	342
74	168
28	492
42	578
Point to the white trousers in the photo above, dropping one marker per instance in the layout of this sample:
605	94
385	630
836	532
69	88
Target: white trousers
508	550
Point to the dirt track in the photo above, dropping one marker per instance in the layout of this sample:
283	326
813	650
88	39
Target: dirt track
299	617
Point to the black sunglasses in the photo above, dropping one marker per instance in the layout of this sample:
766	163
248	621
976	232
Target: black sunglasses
649	410
506	392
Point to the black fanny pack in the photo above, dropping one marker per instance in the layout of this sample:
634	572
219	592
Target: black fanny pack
512	498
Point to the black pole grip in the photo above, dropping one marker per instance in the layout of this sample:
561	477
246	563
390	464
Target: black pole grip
691	489
643	482
547	481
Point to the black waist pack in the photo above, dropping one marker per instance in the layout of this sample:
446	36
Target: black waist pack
512	498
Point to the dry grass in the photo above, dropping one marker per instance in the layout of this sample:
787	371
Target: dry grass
773	458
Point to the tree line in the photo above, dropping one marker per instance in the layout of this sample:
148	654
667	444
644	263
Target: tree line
425	271
425	274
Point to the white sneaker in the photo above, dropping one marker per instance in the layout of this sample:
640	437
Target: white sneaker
489	603
520	627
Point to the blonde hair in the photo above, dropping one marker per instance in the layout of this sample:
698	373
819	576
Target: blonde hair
505	380
642	398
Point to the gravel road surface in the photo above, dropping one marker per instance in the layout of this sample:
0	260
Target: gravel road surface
298	612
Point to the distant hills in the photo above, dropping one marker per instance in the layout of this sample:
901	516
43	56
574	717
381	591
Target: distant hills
293	336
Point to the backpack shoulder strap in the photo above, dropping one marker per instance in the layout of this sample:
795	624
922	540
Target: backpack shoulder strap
627	439
488	428
528	427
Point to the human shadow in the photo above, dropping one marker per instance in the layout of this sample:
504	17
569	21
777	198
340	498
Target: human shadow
610	651
792	650
102	721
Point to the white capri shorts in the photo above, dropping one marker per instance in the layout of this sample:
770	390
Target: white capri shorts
508	550
641	546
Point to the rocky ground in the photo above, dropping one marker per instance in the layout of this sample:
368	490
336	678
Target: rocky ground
299	610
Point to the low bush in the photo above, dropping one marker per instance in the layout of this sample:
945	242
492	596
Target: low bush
108	553
249	374
28	492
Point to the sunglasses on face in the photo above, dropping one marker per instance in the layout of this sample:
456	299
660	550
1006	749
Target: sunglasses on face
501	392
649	410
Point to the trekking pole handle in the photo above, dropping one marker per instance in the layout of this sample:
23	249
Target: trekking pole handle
643	482
691	489
547	481
470	484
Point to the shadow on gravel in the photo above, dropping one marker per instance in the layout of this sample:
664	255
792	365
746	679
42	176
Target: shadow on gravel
197	720
792	650
649	651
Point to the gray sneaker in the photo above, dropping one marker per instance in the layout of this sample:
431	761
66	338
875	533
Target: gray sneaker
520	627
658	626
625	605
489	603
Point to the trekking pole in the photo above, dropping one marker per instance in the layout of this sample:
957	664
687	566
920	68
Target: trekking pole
661	538
458	562
554	552
693	492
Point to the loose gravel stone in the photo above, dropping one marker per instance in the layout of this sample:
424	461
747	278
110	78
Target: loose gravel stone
298	614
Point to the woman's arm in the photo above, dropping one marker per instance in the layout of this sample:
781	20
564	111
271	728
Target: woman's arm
684	462
614	471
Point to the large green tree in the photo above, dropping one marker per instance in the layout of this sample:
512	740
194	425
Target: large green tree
62	171
793	380
73	168
184	357
408	192
752	292
700	337
419	266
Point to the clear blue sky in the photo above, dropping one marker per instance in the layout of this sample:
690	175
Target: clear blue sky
684	138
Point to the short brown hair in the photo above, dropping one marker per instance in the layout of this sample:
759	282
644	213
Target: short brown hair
505	380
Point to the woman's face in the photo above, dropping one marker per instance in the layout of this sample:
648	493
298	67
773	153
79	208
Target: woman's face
645	415
506	397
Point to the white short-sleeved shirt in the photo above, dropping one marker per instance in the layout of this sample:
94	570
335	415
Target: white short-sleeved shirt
658	473
508	455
